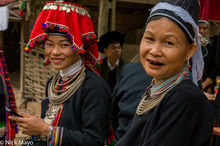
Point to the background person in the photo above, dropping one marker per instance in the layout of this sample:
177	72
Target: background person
77	104
172	106
127	95
209	53
111	44
217	100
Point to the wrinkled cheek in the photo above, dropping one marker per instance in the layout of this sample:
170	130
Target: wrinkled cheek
142	54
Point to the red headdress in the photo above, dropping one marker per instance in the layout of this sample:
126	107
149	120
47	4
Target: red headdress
71	19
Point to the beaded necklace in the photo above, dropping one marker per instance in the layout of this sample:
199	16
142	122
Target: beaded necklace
56	96
155	93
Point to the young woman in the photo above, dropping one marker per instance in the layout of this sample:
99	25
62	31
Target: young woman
173	110
77	104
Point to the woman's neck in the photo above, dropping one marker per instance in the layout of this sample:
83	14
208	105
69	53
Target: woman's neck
72	69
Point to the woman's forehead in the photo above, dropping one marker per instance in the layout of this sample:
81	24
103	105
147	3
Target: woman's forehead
162	24
203	25
56	37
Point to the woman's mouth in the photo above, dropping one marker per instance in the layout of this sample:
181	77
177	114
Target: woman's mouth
154	62
56	60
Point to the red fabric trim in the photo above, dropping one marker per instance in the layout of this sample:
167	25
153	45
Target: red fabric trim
209	10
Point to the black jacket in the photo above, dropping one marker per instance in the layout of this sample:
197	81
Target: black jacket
86	114
127	94
184	117
208	52
105	72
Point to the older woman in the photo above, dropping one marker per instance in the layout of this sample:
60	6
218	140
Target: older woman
173	111
76	110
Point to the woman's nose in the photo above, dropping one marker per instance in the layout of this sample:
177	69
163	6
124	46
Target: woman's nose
202	31
56	49
155	49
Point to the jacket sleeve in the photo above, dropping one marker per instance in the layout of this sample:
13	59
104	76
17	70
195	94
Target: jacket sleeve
216	71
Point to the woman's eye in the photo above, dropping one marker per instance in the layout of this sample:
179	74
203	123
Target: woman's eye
65	45
48	45
149	38
169	43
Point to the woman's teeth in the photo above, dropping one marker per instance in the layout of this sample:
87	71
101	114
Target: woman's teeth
155	63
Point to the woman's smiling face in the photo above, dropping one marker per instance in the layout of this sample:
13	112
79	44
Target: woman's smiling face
164	49
60	53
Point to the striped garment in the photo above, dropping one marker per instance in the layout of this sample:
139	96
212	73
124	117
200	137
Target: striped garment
9	98
165	85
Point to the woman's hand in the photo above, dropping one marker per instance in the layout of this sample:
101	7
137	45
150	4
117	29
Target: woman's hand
31	124
2	131
208	81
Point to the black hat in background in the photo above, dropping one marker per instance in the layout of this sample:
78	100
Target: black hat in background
108	38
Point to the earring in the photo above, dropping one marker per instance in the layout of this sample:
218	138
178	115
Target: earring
46	61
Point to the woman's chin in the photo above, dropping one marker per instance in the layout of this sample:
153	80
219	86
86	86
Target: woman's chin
57	67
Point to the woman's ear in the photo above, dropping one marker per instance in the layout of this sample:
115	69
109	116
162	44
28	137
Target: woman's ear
191	51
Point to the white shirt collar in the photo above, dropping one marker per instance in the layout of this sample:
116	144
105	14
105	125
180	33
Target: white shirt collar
112	67
72	69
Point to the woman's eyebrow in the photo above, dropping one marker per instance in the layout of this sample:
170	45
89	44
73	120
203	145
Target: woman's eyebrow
63	41
148	32
49	40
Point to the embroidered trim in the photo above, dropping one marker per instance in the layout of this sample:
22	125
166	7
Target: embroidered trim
61	28
57	136
52	113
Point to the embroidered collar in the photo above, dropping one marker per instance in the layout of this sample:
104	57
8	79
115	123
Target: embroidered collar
160	87
155	93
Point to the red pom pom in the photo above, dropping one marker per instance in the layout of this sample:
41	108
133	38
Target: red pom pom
93	35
